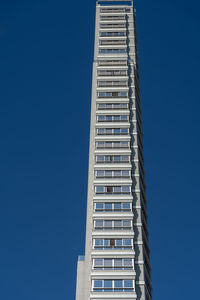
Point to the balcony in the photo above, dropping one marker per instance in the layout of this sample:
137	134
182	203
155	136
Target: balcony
121	83
112	62
112	42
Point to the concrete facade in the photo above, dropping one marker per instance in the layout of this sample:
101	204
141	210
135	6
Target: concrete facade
116	264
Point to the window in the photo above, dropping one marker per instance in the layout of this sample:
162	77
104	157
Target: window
110	33
118	207
108	206
112	72
113	25
115	118
114	285
107	18
116	263
115	206
115	10
112	62
112	158
98	283
108	224
121	83
112	94
102	51
112	242
109	189
100	189
112	131
112	174
101	244
113	224
112	106
118	190
110	145
108	42
99	206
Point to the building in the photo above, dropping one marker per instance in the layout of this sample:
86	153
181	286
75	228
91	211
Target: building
116	264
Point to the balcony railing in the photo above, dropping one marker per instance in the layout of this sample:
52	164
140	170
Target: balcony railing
123	25
108	18
112	42
112	62
112	83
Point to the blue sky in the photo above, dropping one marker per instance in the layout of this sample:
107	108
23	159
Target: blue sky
46	52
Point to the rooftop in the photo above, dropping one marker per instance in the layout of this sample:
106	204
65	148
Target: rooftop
114	2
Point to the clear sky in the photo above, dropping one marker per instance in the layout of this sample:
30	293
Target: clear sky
46	52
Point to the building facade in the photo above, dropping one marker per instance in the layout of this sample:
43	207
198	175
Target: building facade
116	264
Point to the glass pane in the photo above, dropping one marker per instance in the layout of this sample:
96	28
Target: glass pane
108	145
108	263
100	189
128	283
116	158
118	284
124	105
126	223
127	262
106	243
99	223
98	283
117	223
101	105
108	131
124	130
108	206
124	118
125	173
117	189
108	173
100	173
109	118
119	242
116	131
98	242
117	206
126	205
116	106
107	283
99	206
101	118
100	158
98	262
124	144
118	262
125	189
117	144
100	130
100	144
117	173
125	158
127	242
107	223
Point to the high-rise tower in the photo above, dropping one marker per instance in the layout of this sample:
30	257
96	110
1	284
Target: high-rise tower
116	264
